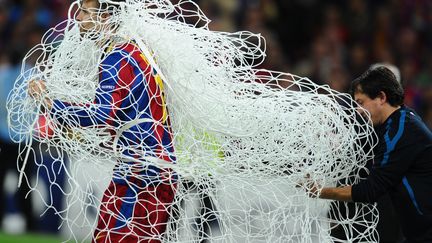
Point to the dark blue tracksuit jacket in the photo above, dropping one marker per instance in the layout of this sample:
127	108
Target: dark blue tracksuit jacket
403	168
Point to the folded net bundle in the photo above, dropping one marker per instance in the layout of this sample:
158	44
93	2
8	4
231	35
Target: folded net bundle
241	138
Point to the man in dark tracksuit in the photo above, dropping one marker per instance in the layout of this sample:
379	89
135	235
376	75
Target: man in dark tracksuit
403	157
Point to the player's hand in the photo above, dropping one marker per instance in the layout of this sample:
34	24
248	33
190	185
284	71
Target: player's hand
311	187
36	89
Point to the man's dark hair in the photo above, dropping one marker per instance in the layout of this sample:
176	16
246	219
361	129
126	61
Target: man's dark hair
373	81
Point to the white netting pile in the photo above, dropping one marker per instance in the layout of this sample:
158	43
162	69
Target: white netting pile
213	152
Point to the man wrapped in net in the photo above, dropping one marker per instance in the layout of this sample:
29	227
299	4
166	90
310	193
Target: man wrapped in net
135	205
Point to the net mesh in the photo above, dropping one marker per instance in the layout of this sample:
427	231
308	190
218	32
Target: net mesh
186	136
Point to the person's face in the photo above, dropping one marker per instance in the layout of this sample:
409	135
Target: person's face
89	17
373	106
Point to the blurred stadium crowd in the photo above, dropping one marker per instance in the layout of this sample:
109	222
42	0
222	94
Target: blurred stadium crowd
334	41
330	41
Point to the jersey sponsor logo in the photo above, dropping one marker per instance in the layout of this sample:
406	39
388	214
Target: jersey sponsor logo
107	87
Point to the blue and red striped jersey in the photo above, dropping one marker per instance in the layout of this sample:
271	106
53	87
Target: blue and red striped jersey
130	93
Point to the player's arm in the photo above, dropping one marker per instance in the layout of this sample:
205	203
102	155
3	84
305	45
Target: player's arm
108	99
336	193
370	190
100	112
332	193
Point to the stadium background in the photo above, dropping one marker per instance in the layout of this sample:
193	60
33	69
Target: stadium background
330	41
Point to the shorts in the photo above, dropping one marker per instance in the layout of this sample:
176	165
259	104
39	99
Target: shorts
133	213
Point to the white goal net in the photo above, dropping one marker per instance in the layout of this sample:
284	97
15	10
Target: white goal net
192	140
